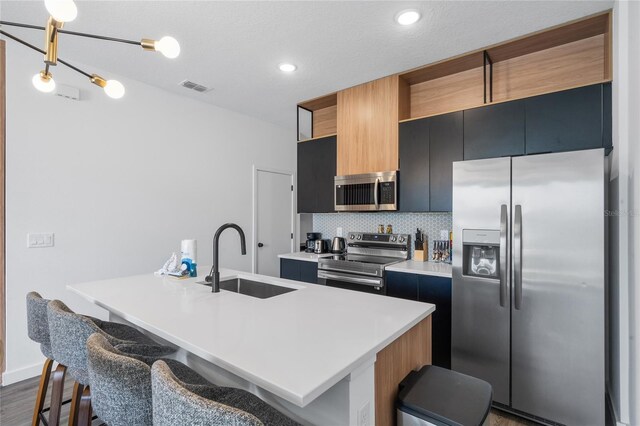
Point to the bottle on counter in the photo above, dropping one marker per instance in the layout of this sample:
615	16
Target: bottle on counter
389	229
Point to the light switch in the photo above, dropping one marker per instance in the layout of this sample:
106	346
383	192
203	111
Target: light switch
40	240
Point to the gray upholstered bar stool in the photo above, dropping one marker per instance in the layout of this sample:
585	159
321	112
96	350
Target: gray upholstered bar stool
69	333
38	330
179	403
121	383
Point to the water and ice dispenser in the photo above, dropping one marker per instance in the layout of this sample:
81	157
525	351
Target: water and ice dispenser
481	253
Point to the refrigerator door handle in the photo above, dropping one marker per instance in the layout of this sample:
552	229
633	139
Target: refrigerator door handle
503	254
517	256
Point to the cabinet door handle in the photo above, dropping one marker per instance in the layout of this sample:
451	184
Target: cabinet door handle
260	245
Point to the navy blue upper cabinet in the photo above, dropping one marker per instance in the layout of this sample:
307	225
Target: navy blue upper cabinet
414	166
445	146
494	130
567	121
316	170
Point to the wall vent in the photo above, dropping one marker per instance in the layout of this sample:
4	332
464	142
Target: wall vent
195	86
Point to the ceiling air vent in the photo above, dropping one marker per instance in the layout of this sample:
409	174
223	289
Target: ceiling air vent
195	86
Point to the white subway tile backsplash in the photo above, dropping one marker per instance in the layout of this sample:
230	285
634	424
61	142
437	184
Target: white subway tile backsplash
403	223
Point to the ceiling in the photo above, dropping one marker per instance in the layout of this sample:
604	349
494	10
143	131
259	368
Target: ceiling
235	46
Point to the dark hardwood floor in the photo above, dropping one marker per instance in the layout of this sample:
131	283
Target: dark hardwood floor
17	400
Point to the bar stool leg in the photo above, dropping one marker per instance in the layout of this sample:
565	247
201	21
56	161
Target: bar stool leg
76	396
57	392
85	412
42	391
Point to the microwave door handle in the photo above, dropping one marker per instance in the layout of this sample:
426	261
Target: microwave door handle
503	254
375	193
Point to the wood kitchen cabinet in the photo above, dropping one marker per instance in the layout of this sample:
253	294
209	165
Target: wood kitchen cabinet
367	127
316	171
446	140
414	166
570	120
494	131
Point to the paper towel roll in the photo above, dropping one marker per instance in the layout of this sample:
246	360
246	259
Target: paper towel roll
189	250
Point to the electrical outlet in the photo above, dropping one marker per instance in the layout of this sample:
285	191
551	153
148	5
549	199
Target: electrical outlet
339	231
40	240
364	418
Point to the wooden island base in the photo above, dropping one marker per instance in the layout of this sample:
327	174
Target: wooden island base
409	352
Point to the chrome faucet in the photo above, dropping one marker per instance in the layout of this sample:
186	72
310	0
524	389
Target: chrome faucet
214	275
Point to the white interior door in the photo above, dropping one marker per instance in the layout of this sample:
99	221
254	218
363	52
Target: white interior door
274	220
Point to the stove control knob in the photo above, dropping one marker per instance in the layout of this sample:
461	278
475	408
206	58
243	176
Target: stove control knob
352	236
401	239
359	237
393	239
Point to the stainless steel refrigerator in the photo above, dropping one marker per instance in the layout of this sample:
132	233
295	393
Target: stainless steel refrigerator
528	307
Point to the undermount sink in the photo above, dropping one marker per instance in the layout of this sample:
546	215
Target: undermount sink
251	288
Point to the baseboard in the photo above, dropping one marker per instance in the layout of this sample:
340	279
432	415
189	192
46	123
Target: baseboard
15	376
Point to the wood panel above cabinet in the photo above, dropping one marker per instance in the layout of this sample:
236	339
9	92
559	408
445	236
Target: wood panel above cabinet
367	127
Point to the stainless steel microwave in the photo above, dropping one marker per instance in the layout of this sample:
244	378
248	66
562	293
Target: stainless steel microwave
367	192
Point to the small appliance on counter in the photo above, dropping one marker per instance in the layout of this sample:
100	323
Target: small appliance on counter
312	237
321	246
421	252
339	245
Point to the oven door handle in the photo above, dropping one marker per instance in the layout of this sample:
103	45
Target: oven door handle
349	279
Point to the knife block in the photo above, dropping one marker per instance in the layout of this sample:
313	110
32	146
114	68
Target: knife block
420	255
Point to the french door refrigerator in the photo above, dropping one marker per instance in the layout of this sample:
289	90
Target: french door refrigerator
528	294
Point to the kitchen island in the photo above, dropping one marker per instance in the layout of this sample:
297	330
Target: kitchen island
321	355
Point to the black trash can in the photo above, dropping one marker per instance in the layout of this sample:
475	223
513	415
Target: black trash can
434	395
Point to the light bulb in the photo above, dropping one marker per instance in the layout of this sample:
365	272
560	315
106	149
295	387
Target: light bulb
44	82
168	46
287	67
114	89
408	17
62	10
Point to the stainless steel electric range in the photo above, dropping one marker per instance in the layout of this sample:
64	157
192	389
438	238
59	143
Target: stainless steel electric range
361	268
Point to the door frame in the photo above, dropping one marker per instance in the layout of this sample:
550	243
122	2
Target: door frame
3	168
254	228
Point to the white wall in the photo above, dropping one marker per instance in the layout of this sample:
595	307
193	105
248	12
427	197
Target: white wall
624	377
120	183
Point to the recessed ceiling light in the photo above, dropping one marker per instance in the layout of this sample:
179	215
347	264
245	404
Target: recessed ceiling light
287	67
408	17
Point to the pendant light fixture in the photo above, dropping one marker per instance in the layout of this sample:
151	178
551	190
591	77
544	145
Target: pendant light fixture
62	11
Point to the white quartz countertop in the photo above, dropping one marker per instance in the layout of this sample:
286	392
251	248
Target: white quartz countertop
304	256
295	345
423	268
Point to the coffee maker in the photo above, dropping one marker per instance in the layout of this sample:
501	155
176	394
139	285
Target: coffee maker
312	237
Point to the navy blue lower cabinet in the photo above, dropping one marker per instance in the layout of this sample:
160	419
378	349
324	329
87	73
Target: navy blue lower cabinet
437	290
401	285
309	272
429	289
299	270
